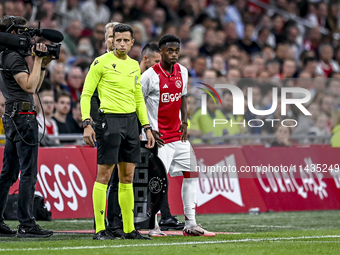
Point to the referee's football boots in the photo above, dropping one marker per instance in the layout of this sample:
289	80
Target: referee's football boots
136	235
5	231
103	235
197	230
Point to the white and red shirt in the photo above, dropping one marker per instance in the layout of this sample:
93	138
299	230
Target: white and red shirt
163	96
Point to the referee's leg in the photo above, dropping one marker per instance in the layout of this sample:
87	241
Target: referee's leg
99	194
125	195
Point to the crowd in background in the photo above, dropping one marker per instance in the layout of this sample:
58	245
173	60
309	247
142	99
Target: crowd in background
222	42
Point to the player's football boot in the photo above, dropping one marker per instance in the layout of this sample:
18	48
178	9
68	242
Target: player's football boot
156	232
197	230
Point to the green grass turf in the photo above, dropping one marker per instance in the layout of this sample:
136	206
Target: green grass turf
316	232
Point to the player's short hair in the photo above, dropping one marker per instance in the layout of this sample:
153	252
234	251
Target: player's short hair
120	28
109	25
168	39
150	47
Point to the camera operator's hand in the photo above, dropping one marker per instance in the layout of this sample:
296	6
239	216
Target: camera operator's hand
38	47
46	60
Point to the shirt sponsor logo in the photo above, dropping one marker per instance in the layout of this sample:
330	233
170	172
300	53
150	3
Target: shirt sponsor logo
166	97
178	84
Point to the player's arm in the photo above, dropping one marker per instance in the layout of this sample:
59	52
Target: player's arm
147	89
142	113
184	118
91	82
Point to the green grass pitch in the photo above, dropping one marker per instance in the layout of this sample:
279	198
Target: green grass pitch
313	232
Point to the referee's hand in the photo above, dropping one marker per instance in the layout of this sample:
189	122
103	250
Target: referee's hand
89	136
151	140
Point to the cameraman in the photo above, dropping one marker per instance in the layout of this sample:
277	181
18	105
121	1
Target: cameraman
21	129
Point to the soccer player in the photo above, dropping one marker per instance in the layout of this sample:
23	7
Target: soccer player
164	88
117	78
150	56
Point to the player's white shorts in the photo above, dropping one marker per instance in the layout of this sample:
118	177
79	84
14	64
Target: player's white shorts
178	157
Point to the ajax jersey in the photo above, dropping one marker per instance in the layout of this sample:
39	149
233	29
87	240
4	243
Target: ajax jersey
162	92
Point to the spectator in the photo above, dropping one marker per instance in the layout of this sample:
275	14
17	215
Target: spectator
205	123
227	109
218	64
320	127
69	10
76	120
128	10
306	122
47	125
62	109
94	12
288	69
334	90
326	65
282	136
58	79
247	43
199	66
72	35
75	82
97	39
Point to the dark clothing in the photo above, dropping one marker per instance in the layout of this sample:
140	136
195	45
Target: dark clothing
118	138
10	89
21	148
250	49
19	156
63	127
114	217
75	128
276	144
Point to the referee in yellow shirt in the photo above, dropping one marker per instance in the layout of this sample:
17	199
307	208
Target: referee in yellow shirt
117	79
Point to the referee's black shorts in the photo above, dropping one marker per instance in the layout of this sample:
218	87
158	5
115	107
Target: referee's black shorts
117	138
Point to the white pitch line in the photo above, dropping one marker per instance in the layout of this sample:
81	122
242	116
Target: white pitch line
168	244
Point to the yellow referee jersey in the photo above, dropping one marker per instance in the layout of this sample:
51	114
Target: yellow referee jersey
118	84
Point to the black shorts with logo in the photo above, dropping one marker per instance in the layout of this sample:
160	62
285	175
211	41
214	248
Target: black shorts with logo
117	138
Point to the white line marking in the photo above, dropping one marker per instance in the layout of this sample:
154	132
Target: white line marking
168	244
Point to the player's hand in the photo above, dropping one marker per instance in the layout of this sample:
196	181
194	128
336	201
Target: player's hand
157	136
89	136
183	129
151	140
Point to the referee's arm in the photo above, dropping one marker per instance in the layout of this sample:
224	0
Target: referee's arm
140	104
91	82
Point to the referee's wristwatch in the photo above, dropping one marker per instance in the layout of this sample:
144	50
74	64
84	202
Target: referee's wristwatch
148	128
86	123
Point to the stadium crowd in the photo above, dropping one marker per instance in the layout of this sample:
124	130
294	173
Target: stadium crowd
222	42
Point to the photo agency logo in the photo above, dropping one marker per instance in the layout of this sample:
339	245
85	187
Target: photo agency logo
239	100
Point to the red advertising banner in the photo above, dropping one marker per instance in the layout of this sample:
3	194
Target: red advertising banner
293	178
226	183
